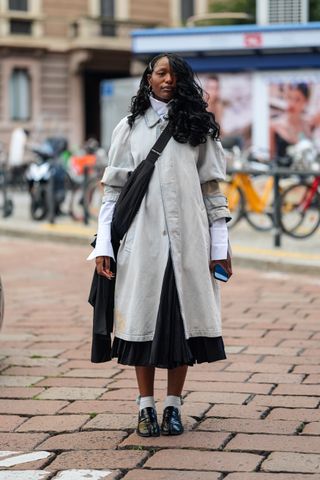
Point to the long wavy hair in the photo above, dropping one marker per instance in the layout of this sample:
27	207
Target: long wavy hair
190	121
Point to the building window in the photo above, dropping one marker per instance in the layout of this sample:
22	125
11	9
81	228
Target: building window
107	21
21	27
20	94
19	5
187	9
288	11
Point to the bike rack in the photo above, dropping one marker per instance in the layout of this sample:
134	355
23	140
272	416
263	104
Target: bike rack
277	173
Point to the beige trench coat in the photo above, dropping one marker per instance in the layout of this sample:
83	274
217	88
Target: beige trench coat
175	214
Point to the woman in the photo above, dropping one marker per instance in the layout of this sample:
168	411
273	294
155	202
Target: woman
167	307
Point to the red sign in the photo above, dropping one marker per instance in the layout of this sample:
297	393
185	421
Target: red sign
252	40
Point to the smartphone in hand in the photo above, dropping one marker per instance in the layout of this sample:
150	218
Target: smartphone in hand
220	273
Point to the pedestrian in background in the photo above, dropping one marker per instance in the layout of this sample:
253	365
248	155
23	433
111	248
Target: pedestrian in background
167	304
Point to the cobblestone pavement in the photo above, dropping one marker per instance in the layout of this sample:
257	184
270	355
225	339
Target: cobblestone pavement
254	416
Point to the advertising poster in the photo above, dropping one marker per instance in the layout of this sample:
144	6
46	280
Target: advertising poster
294	112
229	97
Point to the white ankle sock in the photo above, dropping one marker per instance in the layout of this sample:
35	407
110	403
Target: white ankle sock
173	401
145	402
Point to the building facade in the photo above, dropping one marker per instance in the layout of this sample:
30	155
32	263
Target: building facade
55	53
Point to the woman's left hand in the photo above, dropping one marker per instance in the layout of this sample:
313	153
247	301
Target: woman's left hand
226	264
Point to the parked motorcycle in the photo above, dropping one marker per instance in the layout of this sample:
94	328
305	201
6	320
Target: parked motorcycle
46	179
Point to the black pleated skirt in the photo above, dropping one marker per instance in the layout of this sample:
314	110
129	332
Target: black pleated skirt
169	347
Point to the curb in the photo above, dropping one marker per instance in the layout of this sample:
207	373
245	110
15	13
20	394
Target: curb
243	261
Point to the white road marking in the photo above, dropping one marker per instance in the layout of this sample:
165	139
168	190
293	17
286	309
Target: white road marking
23	458
25	475
8	454
82	475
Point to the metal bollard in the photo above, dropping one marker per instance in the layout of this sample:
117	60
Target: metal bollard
51	199
276	212
85	195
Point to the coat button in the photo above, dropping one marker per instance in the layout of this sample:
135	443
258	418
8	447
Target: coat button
164	232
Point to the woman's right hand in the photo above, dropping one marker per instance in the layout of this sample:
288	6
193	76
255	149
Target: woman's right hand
103	267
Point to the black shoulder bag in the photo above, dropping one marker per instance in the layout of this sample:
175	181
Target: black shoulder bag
101	295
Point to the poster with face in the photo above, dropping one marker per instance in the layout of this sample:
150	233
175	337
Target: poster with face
229	97
294	113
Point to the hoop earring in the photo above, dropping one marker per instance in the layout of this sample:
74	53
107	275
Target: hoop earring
149	89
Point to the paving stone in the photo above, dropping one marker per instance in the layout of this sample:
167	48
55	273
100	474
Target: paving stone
312	428
130	394
313	379
193	409
98	459
289	360
20	392
218	397
100	406
74	382
204	460
302	414
8	423
54	423
272	351
21	441
270	443
276	378
246	425
292	462
72	393
17	381
236	411
205	376
235	387
36	371
143	474
86	475
270	476
97	440
89	373
201	440
307	390
33	362
31	407
285	401
242	366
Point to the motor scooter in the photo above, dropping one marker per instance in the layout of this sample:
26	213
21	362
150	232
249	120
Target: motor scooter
46	182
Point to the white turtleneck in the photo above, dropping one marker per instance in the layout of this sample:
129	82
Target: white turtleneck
161	108
103	248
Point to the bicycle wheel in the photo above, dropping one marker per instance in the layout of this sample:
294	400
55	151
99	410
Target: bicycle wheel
235	201
94	196
262	222
296	220
73	203
259	213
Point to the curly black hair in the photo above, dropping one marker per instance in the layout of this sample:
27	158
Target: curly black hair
190	121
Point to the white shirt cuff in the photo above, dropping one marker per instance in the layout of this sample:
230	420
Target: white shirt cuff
103	246
219	240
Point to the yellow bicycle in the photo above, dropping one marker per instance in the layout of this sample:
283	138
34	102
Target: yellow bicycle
250	197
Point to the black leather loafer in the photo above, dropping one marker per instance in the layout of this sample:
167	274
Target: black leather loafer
171	422
148	424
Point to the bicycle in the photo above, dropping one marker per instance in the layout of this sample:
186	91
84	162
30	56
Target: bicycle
84	194
250	198
300	209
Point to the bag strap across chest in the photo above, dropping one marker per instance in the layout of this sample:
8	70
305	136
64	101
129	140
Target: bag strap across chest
159	146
